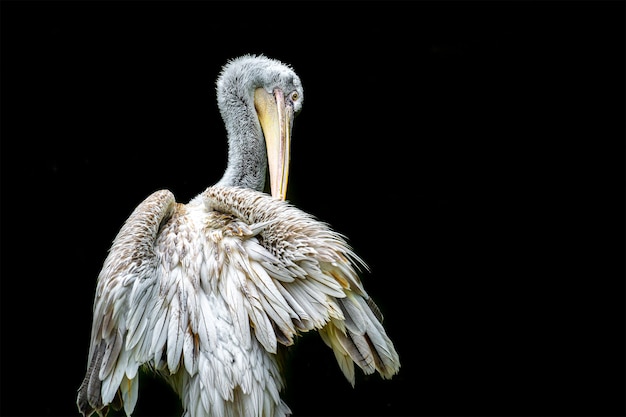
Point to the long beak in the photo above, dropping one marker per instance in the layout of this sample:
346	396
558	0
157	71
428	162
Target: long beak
276	119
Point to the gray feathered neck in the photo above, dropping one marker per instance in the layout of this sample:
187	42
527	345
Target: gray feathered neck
239	78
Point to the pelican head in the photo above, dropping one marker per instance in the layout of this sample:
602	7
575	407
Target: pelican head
258	98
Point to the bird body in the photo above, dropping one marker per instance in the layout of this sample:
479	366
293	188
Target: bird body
207	293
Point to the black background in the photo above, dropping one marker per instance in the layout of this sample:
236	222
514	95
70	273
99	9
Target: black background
471	152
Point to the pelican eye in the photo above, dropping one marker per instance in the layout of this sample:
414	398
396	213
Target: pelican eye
295	96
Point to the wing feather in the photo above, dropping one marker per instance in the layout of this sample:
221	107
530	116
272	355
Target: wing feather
303	320
190	353
346	364
111	384
111	353
234	285
207	331
130	393
355	319
138	321
159	332
175	335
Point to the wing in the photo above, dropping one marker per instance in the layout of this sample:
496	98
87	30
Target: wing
301	276
124	298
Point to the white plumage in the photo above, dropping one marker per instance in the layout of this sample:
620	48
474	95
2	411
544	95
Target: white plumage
206	293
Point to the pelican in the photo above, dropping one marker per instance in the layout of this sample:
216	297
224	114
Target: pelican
209	293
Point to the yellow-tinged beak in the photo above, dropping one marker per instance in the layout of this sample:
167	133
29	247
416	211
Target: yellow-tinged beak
276	119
